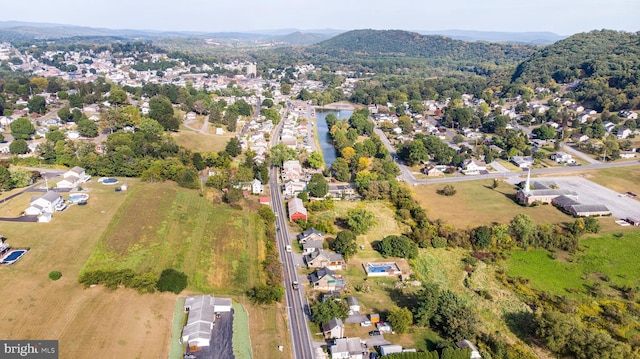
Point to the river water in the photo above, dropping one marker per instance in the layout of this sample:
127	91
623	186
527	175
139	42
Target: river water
328	151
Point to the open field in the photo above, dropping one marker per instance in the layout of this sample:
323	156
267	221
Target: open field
199	142
268	328
84	320
476	204
608	257
620	179
385	224
219	248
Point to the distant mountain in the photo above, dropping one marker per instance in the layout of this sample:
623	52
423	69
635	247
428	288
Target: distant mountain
605	62
398	43
301	38
536	38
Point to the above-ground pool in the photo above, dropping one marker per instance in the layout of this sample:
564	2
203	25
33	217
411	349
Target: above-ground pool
108	180
78	197
380	269
13	256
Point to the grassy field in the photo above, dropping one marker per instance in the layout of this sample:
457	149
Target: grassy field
476	203
241	337
609	260
620	179
217	247
199	142
83	320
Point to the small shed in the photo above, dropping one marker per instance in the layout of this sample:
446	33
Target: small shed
374	318
354	305
390	349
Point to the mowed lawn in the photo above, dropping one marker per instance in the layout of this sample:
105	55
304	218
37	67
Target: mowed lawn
476	204
163	226
88	322
607	257
199	142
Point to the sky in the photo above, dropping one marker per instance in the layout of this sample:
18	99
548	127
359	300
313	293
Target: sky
563	17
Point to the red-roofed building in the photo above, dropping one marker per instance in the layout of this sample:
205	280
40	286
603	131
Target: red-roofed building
296	209
264	200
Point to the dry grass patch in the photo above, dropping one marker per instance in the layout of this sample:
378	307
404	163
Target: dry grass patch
199	142
268	328
476	204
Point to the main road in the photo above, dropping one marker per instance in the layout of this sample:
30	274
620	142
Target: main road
295	298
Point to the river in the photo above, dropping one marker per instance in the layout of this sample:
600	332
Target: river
328	151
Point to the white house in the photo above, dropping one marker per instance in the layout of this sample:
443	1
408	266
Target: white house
47	203
624	133
73	178
348	348
473	167
256	187
562	157
521	161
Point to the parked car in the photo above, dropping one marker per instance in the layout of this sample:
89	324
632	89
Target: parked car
374	333
366	323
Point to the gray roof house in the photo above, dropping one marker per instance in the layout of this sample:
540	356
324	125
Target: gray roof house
310	234
333	329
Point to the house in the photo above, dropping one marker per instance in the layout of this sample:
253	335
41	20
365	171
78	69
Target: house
310	234
562	157
256	187
624	133
473	167
627	154
311	246
197	332
475	354
293	188
578	138
47	203
73	178
340	191
349	348
629	115
522	161
354	305
432	171
291	170
390	349
609	126
296	209
324	259
325	279
334	329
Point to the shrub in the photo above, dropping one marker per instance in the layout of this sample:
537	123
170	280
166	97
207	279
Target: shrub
439	242
172	280
55	275
448	190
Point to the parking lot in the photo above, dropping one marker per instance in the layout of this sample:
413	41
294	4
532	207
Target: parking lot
221	336
592	193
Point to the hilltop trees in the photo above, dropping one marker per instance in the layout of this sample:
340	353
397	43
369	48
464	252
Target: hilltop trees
160	109
22	128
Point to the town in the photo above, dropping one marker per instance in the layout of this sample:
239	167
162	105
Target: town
232	209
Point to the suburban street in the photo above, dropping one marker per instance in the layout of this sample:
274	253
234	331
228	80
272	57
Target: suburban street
409	178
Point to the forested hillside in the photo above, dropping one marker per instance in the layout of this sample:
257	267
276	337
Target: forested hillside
389	50
606	62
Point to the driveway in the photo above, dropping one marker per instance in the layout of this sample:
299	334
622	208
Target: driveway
221	336
356	317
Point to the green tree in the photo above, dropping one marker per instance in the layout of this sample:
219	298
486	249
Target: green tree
345	244
482	237
360	220
5	178
522	228
37	104
266	294
161	110
172	280
340	170
18	147
233	147
87	128
280	153
426	304
22	128
315	160
318	185
20	177
117	96
267	215
400	319
417	152
323	312
64	114
398	246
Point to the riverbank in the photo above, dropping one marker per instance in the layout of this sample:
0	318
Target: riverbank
336	106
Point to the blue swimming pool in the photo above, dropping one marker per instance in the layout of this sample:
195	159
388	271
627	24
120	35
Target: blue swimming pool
108	180
380	269
78	197
13	256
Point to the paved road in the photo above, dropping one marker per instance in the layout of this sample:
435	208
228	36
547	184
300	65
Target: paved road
408	177
580	154
297	305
